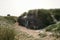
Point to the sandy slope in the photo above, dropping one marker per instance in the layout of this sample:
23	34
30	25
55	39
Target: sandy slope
34	33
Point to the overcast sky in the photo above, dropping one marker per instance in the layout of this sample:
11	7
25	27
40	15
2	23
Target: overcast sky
17	7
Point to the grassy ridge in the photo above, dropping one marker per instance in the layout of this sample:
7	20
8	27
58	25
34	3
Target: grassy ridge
7	31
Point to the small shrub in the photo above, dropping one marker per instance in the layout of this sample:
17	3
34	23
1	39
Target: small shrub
8	14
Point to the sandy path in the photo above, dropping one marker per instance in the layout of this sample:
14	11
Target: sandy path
34	33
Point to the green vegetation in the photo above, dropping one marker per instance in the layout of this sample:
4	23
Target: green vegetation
6	33
40	18
6	29
56	13
54	27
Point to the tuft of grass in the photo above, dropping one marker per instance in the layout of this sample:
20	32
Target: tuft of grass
7	33
51	27
54	27
42	35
